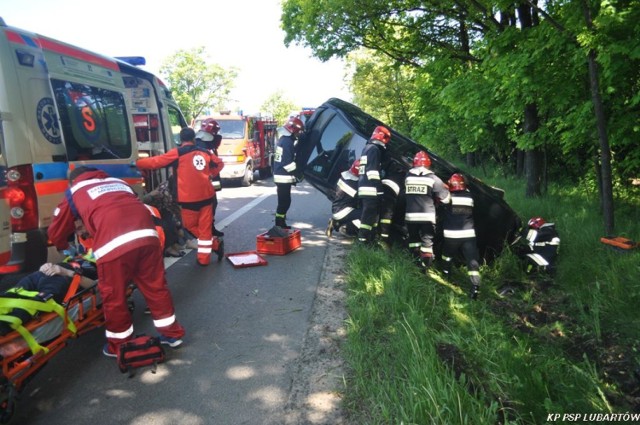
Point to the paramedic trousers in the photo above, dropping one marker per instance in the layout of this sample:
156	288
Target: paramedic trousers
144	267
199	223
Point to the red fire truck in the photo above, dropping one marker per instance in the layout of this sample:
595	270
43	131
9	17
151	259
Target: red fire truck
247	146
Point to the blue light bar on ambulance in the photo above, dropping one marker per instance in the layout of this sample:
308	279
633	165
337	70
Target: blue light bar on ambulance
133	60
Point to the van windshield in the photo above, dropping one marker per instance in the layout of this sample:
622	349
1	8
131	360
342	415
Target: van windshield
231	129
94	121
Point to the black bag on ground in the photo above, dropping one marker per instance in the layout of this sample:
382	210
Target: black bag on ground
141	351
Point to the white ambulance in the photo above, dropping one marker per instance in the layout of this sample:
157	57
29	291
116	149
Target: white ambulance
62	106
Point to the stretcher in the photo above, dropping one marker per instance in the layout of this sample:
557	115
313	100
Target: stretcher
23	352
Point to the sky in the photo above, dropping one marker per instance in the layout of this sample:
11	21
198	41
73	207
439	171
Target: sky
244	34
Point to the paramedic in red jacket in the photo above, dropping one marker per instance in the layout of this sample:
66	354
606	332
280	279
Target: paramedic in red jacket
194	168
126	247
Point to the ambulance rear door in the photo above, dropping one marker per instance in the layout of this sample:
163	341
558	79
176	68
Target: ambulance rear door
157	119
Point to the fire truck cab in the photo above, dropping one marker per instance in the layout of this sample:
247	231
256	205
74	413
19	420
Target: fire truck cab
62	106
247	146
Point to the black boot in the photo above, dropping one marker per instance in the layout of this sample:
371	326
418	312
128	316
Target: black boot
281	222
475	290
217	233
219	249
329	230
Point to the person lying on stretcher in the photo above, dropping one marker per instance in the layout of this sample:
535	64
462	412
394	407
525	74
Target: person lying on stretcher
52	281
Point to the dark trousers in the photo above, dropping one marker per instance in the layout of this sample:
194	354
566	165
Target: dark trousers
284	198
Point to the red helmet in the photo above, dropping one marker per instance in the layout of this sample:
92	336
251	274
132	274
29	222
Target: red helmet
355	168
457	183
208	128
294	125
382	134
536	222
421	160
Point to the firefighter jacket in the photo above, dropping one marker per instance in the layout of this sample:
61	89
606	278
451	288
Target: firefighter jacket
111	212
543	244
458	220
284	165
194	167
369	185
346	199
422	186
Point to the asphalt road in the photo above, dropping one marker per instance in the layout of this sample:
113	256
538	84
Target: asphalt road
245	330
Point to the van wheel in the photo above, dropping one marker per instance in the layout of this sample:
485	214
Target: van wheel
247	179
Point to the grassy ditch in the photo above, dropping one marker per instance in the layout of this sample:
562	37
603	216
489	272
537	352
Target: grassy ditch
419	351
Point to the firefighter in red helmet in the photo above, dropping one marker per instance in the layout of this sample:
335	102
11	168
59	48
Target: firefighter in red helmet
345	217
422	187
126	248
542	245
285	170
459	232
208	138
369	183
193	167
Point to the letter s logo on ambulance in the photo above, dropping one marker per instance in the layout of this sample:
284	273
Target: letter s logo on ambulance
87	119
48	120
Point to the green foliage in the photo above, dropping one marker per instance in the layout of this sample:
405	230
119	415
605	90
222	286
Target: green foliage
419	351
197	84
473	72
279	107
383	89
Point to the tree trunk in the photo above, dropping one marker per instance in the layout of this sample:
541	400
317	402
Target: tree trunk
601	123
532	158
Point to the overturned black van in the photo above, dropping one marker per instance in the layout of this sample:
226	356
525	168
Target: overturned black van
335	136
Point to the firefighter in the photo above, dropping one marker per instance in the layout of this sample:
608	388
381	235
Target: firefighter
193	167
126	248
285	171
422	187
459	232
208	138
345	207
369	185
392	190
542	244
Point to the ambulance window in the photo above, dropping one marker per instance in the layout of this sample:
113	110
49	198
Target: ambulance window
94	121
176	122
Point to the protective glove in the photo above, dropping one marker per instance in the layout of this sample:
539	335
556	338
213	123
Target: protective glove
299	177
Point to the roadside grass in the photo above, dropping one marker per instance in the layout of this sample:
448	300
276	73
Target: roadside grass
419	351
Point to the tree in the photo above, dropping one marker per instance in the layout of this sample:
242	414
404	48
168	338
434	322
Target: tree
279	107
196	83
383	88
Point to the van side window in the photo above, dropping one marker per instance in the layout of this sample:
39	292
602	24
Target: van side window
338	147
94	121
